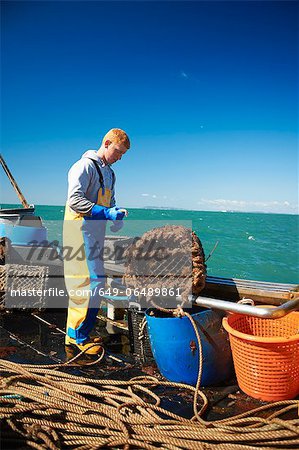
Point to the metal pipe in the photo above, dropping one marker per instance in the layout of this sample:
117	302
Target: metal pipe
265	313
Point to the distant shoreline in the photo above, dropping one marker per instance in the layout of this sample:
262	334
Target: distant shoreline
165	208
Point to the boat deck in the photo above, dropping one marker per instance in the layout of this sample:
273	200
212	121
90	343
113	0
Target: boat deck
38	339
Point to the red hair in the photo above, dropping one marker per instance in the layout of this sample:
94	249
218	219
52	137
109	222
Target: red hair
117	136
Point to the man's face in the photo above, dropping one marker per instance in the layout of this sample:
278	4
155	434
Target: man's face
114	152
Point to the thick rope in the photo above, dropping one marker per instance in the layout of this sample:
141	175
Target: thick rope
44	408
55	409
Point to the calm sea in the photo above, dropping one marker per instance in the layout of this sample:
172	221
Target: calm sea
251	245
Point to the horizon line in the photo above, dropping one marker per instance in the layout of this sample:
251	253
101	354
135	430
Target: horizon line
167	208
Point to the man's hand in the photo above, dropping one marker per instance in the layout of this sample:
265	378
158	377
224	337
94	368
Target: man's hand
115	213
99	212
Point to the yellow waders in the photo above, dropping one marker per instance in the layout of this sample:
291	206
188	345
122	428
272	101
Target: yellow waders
83	243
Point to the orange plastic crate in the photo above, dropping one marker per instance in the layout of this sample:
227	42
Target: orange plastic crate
266	355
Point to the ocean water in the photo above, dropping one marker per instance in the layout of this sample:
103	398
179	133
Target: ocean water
250	245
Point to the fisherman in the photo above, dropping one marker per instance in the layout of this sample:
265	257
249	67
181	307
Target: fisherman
90	204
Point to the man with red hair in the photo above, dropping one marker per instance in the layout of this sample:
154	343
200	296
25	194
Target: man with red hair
90	204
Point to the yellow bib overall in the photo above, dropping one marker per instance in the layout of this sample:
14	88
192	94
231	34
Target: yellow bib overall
83	242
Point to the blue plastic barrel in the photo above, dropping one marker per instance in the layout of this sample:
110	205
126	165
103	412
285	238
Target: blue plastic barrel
175	347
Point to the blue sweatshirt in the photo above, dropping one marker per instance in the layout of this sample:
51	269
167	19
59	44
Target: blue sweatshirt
84	182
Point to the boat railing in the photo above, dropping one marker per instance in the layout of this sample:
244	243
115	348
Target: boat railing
273	312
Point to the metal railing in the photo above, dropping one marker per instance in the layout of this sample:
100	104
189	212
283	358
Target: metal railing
256	311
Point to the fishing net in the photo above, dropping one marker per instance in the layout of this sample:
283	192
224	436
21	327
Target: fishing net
28	282
169	258
21	285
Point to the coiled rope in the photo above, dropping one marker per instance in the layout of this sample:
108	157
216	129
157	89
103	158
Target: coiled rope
50	409
43	407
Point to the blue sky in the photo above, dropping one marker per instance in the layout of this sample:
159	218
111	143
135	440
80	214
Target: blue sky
207	91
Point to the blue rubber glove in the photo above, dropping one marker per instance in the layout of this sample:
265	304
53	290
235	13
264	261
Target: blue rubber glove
117	225
99	212
114	213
